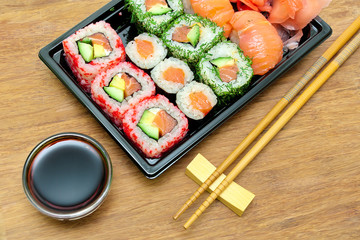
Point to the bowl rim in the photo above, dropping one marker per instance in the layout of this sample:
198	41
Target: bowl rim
78	213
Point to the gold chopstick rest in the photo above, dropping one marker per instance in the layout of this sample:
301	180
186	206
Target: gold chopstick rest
234	197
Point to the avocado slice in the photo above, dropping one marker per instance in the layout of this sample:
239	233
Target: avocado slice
223	61
99	51
147	117
86	51
149	130
115	93
194	35
159	9
117	82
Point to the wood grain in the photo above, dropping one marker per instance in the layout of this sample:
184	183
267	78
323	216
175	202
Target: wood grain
306	181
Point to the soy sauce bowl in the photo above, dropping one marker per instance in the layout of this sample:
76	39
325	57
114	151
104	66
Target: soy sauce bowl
67	176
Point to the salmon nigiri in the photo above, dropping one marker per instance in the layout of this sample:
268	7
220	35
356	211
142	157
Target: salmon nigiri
258	39
219	11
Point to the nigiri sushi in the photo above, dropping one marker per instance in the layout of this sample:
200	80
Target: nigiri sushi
258	39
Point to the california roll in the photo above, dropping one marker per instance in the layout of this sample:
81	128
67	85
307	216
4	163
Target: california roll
155	125
120	87
91	50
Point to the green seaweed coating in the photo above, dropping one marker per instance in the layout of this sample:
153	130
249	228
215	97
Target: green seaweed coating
210	34
155	24
209	74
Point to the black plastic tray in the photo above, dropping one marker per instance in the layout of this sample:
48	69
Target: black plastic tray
115	14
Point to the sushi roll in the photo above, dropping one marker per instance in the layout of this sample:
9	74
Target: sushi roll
155	15
196	100
155	125
190	36
118	88
91	50
146	50
171	75
226	70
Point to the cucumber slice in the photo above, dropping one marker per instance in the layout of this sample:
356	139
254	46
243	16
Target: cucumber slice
159	9
86	40
115	93
194	35
223	61
149	130
86	51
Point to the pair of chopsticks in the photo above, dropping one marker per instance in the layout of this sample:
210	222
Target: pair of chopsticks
281	122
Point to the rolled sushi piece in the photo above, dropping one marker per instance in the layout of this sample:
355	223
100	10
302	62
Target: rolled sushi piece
172	74
226	70
155	125
146	50
189	37
91	50
118	88
196	100
155	15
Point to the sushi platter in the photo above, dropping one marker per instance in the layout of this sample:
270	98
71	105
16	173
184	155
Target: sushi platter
120	19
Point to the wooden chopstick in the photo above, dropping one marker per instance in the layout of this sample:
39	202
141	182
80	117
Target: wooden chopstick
278	125
274	112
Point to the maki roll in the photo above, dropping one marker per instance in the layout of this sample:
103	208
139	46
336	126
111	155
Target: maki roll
171	75
91	50
155	15
155	125
226	70
196	100
146	50
190	36
118	88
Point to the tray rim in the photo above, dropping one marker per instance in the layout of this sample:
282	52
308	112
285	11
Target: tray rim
153	171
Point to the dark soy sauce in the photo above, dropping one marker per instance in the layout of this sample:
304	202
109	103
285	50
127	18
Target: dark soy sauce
67	174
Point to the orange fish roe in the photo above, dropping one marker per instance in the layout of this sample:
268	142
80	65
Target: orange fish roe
200	102
173	74
144	47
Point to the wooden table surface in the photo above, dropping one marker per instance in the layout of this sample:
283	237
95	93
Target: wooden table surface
306	181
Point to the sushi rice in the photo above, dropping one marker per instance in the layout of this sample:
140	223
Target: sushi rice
150	147
158	54
86	72
166	85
